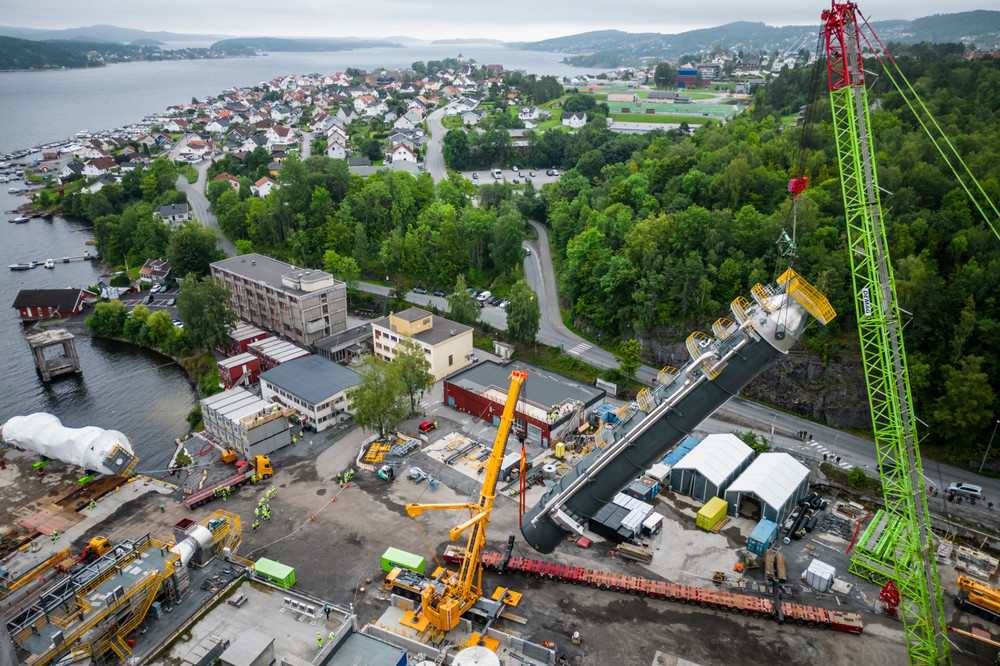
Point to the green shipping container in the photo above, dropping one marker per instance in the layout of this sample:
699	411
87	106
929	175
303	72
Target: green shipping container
710	514
280	574
394	557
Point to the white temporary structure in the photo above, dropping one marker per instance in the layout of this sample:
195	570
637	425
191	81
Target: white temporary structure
708	469
92	448
776	480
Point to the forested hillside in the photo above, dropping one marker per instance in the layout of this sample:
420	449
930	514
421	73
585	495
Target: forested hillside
661	232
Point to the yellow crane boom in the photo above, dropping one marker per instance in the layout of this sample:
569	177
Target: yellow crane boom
463	590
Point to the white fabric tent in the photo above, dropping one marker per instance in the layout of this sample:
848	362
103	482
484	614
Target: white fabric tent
777	480
710	467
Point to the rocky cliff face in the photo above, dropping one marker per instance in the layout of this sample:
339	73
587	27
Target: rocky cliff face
834	393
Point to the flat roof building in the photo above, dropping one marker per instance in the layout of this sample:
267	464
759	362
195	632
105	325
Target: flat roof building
346	345
272	352
447	343
240	369
298	304
314	386
549	407
244	422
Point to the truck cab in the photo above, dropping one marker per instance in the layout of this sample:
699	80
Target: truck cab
263	466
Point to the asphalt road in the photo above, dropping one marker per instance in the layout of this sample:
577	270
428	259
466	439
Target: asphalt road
434	158
199	204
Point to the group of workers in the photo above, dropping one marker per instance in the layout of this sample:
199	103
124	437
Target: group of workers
263	509
223	493
345	477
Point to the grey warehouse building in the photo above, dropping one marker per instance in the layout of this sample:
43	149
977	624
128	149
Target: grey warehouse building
708	469
297	304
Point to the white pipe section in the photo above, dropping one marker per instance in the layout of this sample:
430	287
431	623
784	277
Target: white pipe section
45	434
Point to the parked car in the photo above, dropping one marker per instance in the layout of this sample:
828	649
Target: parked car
178	323
496	300
148	299
966	490
550	172
475	176
531	173
504	302
172	302
483	295
419	290
517	182
439	294
514	169
427	426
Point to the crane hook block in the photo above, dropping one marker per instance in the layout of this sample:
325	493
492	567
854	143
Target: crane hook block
797	185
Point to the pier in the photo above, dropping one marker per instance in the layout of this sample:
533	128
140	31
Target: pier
60	364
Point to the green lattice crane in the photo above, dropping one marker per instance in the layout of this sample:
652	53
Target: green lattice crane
898	545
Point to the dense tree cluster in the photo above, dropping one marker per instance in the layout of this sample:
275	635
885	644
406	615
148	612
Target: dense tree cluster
665	230
389	223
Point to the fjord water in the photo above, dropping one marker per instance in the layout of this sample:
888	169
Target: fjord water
122	387
44	106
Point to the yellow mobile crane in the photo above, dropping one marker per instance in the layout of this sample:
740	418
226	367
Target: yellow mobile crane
462	590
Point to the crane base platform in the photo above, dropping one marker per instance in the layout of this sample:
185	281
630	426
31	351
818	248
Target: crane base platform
507	597
415	621
478	639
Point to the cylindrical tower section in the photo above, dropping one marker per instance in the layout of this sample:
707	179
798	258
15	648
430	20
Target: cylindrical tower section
719	369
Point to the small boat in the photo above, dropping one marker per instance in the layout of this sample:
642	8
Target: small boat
86	256
20	219
22	267
65	260
49	263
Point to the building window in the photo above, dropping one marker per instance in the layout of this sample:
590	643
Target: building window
451	359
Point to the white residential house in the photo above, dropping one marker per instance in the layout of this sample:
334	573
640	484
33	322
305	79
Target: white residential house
98	167
402	153
403	123
279	136
175	213
472	117
528	113
347	114
463	105
336	151
262	187
218	126
574	120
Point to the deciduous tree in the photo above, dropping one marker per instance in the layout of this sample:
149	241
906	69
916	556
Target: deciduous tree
203	306
412	366
462	307
523	313
379	401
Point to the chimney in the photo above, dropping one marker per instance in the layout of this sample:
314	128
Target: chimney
253	262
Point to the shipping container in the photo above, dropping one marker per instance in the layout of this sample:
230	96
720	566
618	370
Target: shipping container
660	472
652	524
762	537
394	557
710	514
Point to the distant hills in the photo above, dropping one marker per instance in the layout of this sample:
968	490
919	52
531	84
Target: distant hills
614	48
242	44
104	33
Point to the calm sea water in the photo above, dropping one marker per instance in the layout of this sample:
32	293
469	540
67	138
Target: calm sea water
39	107
142	394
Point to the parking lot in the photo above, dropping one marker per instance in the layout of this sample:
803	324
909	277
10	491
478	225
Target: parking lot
161	300
519	177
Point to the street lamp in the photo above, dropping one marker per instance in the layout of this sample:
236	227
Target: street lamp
989	445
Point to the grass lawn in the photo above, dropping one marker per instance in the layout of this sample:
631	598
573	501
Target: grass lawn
651	118
452	122
702	96
189	172
548	124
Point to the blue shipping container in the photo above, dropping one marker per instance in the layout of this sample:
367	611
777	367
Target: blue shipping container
762	536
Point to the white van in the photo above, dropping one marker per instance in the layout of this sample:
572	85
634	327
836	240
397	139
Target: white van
966	490
497	174
483	296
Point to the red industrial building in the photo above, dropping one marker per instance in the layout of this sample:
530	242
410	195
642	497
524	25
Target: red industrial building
34	304
272	352
242	336
550	406
242	369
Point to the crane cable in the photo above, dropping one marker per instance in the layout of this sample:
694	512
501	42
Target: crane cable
923	125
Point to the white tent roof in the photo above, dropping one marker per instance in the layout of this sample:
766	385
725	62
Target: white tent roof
773	477
716	457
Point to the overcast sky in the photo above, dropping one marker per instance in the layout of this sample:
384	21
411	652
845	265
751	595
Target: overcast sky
439	19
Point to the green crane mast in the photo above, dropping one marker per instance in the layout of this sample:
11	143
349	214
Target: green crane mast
906	558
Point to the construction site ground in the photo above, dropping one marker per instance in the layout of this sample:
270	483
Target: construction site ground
334	537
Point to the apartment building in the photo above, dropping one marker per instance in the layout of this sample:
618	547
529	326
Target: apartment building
298	304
